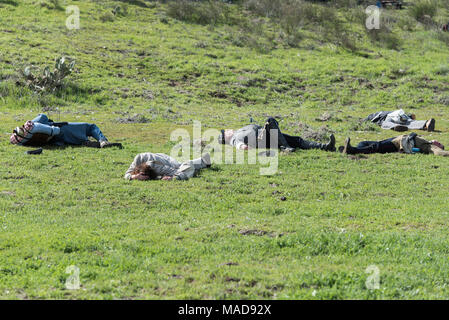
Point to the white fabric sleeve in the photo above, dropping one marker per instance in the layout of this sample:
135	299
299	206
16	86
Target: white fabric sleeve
185	171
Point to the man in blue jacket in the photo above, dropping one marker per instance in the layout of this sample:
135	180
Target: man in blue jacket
41	131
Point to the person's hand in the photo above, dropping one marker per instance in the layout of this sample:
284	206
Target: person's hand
167	178
244	147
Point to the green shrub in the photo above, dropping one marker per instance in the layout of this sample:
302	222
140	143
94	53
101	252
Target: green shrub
208	12
443	37
294	38
51	4
442	70
120	10
49	80
295	15
424	10
406	23
345	3
107	17
385	35
266	8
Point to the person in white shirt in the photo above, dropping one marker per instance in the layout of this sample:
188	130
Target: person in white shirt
159	166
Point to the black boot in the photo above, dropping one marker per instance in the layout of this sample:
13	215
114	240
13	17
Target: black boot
272	124
91	144
330	146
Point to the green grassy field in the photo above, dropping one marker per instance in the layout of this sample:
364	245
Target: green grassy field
225	234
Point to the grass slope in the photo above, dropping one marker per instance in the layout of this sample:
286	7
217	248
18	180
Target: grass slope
163	240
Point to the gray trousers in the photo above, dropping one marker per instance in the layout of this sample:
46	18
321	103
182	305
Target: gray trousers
410	124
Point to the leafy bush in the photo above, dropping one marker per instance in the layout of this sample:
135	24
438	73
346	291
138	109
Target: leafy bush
120	10
424	10
266	8
294	15
385	35
49	81
346	3
107	17
52	4
406	23
443	36
208	12
442	70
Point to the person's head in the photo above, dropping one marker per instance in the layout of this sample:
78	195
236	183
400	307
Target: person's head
225	136
145	171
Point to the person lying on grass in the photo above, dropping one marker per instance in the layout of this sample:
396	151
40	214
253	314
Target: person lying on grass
43	131
398	120
255	136
411	143
159	166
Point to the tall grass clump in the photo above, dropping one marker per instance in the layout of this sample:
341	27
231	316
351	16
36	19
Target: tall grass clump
296	15
443	36
385	35
423	10
204	12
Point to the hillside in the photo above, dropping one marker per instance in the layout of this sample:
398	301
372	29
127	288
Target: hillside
145	68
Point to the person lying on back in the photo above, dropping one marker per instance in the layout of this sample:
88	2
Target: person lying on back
255	136
411	143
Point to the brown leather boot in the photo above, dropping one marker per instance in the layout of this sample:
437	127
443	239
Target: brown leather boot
347	148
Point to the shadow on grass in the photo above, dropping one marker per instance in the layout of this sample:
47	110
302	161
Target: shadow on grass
10	2
214	168
73	88
53	147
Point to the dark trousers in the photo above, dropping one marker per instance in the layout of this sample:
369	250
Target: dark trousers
384	146
287	141
300	143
